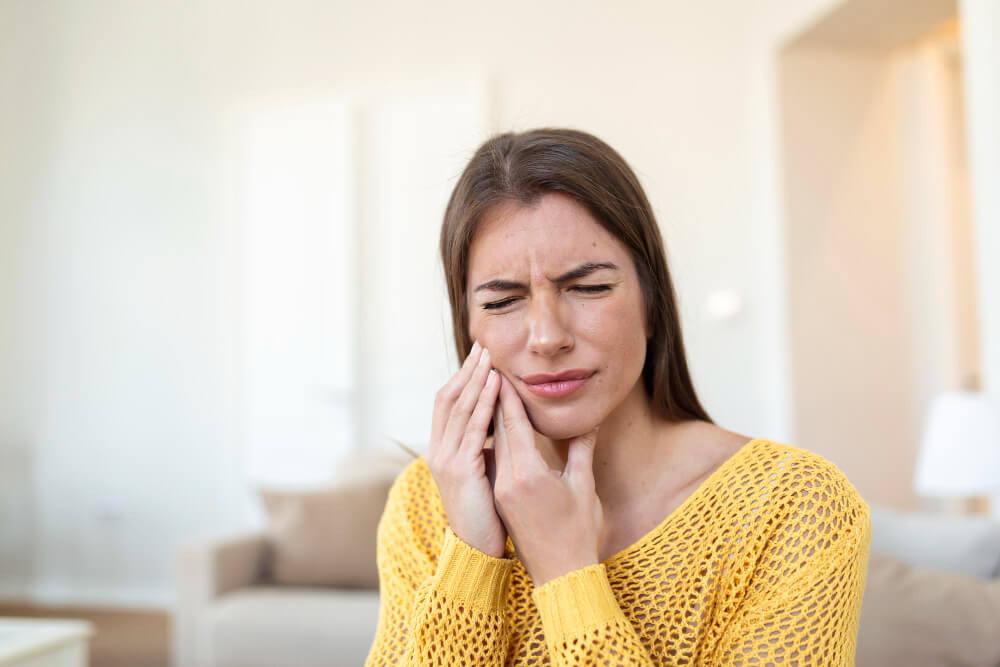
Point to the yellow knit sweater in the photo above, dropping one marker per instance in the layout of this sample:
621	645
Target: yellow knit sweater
763	564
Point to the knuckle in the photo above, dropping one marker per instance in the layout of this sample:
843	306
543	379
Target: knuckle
463	406
502	492
445	393
523	481
476	425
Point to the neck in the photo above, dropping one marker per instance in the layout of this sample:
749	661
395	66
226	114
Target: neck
629	441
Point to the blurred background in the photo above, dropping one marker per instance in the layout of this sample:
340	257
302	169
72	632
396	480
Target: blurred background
219	278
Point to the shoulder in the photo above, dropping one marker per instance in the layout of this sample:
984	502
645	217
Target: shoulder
807	495
794	470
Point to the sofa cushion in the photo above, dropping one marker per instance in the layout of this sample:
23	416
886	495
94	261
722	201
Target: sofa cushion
967	545
327	536
292	627
921	617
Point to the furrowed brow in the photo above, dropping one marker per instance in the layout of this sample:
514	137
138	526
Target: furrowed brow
585	269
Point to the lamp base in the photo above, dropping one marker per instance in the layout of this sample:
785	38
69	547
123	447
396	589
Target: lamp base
978	504
958	506
969	505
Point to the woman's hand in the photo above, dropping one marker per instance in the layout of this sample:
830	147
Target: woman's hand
463	408
555	518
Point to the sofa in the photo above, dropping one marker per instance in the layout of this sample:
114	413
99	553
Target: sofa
293	596
303	591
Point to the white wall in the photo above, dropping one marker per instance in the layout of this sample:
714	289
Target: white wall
125	297
123	361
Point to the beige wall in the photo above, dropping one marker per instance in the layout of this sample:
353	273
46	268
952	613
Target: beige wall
981	23
851	339
878	235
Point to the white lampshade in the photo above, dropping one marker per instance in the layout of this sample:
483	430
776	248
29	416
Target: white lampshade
960	452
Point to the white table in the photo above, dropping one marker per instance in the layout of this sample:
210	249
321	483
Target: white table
44	642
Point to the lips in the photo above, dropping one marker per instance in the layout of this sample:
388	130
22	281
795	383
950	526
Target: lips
546	378
556	385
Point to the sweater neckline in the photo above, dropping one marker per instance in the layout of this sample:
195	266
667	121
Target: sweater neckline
700	490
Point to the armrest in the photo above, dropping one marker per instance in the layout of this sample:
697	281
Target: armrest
213	567
204	571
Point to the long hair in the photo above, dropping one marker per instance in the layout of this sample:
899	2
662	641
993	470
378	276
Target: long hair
522	167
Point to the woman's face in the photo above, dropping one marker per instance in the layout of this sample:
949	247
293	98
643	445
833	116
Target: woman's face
532	322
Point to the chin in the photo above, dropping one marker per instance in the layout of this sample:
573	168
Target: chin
563	427
565	433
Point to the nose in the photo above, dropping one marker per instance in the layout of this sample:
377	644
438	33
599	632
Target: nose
548	334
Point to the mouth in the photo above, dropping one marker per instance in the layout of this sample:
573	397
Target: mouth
557	385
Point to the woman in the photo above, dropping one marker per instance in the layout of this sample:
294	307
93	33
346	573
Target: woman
608	520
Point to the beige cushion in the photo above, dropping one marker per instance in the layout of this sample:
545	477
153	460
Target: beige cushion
325	537
917	616
282	626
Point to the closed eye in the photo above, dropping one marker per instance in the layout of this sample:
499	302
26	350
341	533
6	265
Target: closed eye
590	289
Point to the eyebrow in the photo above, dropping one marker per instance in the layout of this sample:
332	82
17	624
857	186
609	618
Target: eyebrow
585	269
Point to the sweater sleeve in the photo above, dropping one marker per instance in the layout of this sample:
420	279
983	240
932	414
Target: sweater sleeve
803	602
584	624
448	612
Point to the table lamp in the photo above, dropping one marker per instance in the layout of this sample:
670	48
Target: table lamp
959	456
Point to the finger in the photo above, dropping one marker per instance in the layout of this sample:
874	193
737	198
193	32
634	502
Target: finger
500	444
580	460
449	392
478	425
461	410
520	433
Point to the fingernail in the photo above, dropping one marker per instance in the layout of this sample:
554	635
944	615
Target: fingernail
485	358
475	348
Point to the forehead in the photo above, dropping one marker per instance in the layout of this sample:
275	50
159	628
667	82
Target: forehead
544	239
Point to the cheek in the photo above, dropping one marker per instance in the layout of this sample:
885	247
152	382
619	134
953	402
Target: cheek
612	323
616	328
499	335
